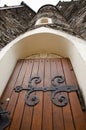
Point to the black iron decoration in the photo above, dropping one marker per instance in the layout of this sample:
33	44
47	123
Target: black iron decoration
55	88
4	118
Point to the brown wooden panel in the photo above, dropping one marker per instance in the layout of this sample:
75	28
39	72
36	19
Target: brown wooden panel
47	106
68	121
14	98
28	112
78	118
37	115
11	84
20	102
45	115
58	121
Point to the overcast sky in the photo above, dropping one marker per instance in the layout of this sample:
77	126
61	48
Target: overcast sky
34	4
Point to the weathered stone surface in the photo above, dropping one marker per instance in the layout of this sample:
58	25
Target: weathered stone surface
66	16
75	13
58	21
78	20
13	22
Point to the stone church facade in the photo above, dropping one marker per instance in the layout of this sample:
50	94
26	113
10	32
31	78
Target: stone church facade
43	55
67	16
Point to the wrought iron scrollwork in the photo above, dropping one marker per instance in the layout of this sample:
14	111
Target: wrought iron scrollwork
59	79
4	118
36	80
61	100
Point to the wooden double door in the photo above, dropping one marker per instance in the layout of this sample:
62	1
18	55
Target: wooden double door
44	115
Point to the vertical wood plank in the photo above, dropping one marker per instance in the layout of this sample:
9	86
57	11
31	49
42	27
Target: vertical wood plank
58	122
14	98
47	108
74	101
11	84
68	120
20	104
37	116
29	111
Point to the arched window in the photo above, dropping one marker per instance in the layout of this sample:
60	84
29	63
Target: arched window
44	20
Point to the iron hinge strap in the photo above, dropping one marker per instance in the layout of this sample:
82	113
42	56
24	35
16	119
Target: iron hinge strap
61	101
56	87
63	88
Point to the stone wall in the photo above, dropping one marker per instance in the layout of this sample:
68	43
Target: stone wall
66	16
58	20
13	22
75	14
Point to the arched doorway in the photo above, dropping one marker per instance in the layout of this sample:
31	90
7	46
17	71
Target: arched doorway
46	114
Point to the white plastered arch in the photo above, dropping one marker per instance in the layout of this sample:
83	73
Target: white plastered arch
44	40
